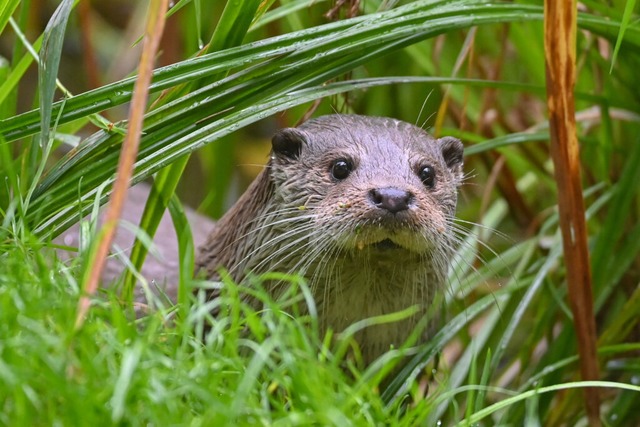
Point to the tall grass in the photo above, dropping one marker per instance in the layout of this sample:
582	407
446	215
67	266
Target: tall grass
506	346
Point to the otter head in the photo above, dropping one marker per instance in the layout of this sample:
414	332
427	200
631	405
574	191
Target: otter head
374	185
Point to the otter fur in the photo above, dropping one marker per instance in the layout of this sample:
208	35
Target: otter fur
362	207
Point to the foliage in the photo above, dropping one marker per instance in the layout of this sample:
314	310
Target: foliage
465	68
155	370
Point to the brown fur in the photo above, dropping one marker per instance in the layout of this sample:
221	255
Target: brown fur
361	257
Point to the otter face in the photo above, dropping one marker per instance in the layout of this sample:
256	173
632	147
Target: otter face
370	184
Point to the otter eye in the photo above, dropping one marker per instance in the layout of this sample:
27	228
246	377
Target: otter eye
341	168
428	176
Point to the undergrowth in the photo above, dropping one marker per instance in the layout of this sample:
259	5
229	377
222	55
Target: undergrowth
503	353
246	367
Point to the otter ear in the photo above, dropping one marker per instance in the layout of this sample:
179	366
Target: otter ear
452	152
288	142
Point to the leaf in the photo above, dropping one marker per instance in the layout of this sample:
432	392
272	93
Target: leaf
505	403
7	8
620	211
626	18
324	54
153	156
48	65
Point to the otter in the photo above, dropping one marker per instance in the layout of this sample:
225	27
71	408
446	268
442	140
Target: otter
362	207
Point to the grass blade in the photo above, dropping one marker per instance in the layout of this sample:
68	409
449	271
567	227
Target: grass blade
48	65
624	24
153	33
231	29
6	10
560	50
620	208
154	156
531	393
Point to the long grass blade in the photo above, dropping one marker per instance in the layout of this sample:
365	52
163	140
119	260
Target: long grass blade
231	29
624	24
48	65
611	234
560	50
153	33
6	10
531	393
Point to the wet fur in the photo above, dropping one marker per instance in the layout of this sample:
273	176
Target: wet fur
297	218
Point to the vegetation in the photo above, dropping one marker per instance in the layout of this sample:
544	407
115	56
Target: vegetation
506	352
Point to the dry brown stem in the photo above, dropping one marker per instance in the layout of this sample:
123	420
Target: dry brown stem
560	52
153	34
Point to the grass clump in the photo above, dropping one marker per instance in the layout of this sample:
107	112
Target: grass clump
161	365
247	367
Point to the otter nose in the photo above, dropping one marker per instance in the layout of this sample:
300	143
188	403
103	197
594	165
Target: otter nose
391	199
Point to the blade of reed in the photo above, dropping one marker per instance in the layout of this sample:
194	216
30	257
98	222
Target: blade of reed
10	83
153	33
48	65
187	253
624	24
619	212
230	31
521	397
192	69
560	26
6	10
282	11
398	386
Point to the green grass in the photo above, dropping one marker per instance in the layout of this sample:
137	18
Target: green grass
248	368
505	347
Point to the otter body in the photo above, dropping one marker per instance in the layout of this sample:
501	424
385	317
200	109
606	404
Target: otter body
362	207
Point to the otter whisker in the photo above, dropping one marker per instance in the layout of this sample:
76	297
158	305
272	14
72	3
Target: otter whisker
285	237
